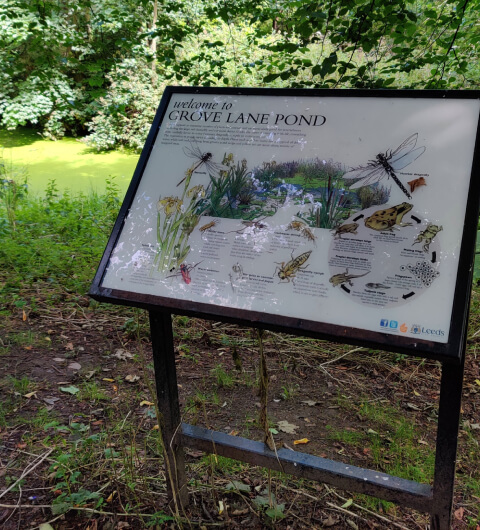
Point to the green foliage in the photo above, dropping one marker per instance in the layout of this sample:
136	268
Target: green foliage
128	107
57	241
55	57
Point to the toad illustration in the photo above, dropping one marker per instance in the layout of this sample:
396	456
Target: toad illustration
427	236
349	228
387	219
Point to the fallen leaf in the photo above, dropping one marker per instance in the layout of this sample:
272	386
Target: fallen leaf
237	485
301	441
45	526
110	497
60	360
459	514
21	445
351	524
371	431
132	378
416	393
348	503
51	400
240	512
221	507
123	355
69	346
412	406
74	366
24	317
330	521
30	394
70	389
289	428
146	403
477	381
475	426
90	374
234	433
311	403
108	380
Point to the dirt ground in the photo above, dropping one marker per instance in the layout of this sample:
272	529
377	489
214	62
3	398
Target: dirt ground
317	389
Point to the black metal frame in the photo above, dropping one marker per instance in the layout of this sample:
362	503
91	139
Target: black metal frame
436	500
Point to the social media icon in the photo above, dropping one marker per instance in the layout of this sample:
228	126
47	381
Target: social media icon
393	324
403	328
384	323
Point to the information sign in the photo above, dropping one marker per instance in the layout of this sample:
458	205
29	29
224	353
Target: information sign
341	214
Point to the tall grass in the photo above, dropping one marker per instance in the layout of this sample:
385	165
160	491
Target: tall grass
54	241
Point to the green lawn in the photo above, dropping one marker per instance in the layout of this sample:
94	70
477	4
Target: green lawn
71	163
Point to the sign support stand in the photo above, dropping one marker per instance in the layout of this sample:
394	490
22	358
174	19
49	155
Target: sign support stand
168	406
447	441
436	500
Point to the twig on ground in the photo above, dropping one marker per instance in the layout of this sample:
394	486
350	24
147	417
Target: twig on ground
27	471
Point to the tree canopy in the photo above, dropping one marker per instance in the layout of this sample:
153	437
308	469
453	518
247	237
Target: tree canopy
99	66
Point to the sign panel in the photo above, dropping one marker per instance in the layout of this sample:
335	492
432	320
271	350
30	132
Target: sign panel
337	211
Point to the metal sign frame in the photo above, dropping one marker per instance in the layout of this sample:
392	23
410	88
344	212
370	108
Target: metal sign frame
436	499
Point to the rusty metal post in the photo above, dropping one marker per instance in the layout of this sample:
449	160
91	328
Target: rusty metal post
447	440
168	405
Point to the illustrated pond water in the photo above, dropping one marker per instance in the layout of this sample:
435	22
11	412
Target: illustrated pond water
71	163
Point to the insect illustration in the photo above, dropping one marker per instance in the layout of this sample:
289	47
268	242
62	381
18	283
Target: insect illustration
185	272
208	226
385	165
201	159
256	225
302	228
289	270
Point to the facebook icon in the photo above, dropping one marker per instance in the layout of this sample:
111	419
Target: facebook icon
384	323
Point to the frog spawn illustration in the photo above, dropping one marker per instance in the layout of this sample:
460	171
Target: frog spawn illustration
425	272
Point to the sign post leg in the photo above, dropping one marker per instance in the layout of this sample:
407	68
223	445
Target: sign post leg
447	434
168	405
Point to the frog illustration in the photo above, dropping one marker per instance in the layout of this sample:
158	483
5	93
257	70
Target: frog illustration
427	235
349	228
387	219
344	277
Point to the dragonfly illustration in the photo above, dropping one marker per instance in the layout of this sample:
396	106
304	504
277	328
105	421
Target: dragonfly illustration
202	159
385	165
